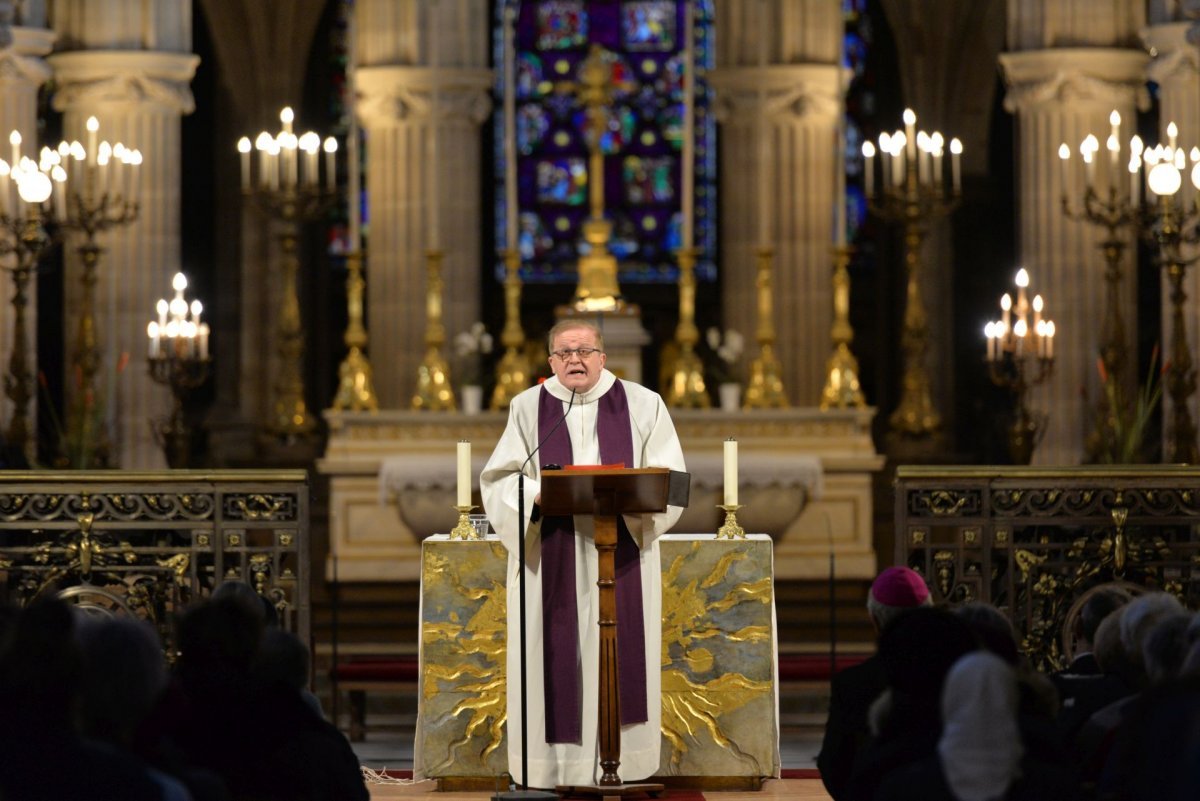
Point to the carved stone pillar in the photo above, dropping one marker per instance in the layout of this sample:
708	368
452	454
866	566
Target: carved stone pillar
777	76
133	77
799	106
404	110
22	72
1175	67
1062	95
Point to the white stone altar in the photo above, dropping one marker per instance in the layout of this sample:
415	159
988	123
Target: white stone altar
804	478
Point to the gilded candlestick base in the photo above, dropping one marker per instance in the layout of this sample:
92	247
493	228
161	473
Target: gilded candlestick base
842	390
434	393
512	378
687	389
464	530
765	390
730	530
356	387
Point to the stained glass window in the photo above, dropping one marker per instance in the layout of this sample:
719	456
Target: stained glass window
642	143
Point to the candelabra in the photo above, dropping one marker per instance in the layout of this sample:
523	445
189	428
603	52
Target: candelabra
178	358
1020	356
288	187
24	212
1112	209
513	370
1172	224
913	193
1168	222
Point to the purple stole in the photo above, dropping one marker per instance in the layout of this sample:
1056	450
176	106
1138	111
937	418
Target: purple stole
560	619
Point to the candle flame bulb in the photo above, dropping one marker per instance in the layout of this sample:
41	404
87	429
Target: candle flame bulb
1135	145
1064	152
330	144
910	116
1038	303
152	330
93	124
179	282
1020	328
956	146
161	307
1006	302
1114	119
1172	130
244	145
198	307
1112	144
1022	278
868	150
287	116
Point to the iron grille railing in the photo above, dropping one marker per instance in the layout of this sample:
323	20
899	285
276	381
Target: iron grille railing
149	543
1036	542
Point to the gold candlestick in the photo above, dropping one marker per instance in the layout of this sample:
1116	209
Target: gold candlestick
464	530
434	392
356	387
765	390
730	530
842	390
513	371
686	388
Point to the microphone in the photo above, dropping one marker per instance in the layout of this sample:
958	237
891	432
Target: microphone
548	433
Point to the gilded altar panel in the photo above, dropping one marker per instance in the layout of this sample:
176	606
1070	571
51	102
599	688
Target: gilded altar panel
462	693
719	705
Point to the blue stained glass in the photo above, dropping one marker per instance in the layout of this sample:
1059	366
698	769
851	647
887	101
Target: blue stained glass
641	143
648	25
562	181
562	24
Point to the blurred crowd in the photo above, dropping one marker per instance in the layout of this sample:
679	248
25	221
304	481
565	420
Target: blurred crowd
948	709
92	709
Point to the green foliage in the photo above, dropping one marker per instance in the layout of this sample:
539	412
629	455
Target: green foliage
1125	442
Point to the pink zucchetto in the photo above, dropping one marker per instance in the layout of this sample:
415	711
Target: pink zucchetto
899	586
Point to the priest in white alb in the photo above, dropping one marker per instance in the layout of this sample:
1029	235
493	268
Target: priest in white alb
583	415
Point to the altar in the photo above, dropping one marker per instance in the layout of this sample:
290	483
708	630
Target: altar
805	479
719	690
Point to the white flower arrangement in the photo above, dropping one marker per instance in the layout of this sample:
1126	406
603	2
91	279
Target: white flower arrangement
470	347
727	348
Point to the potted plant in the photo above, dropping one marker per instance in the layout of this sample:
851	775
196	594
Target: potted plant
726	354
470	347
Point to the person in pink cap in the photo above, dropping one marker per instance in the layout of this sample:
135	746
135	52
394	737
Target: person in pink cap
852	690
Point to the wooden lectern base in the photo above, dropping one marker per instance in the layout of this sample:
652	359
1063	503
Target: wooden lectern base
607	791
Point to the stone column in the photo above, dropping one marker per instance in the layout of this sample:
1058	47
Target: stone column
777	76
133	77
22	72
1175	67
1062	95
405	109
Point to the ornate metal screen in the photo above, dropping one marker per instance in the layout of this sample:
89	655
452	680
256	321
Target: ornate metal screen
148	544
1035	542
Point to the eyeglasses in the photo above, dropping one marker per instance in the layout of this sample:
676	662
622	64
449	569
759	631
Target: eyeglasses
583	353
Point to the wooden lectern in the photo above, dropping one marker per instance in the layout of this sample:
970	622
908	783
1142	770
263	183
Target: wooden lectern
604	494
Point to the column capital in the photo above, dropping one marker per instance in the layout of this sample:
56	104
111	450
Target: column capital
22	59
109	78
388	95
1170	51
1101	77
791	92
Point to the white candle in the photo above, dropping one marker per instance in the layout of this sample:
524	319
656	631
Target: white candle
868	151
731	471
839	184
435	227
512	209
688	157
93	125
330	164
152	332
910	133
14	139
5	186
764	192
956	164
464	472
202	334
243	147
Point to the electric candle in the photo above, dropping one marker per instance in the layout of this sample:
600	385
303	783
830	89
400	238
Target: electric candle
956	150
511	204
243	147
868	151
93	125
330	164
464	472
731	472
910	125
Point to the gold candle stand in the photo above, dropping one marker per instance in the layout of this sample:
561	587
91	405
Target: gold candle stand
730	530
765	390
842	390
28	241
464	530
513	371
686	388
434	392
356	386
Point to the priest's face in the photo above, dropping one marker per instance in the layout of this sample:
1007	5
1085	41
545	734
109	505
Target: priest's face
576	359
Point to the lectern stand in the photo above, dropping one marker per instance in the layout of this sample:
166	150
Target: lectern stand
605	494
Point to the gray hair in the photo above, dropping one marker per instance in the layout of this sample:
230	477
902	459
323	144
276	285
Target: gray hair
572	324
